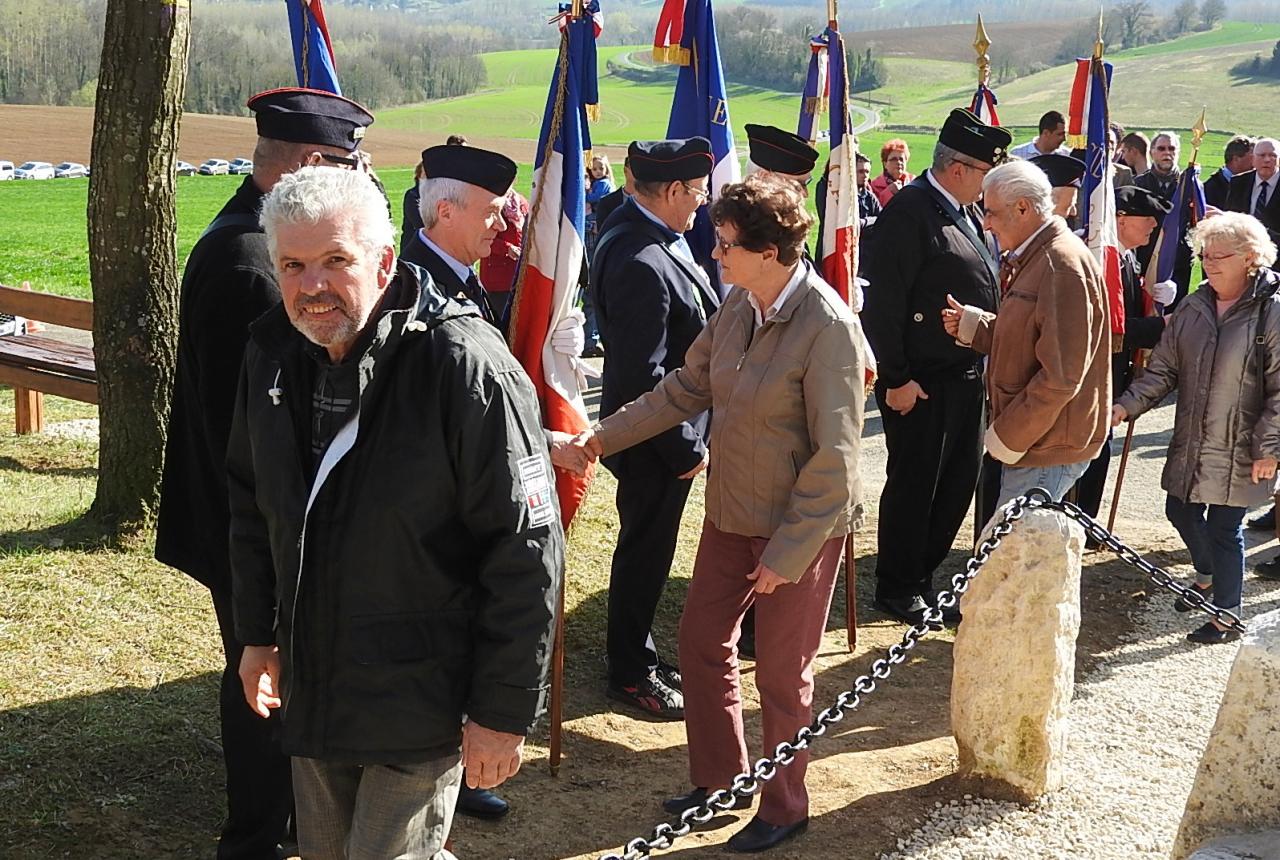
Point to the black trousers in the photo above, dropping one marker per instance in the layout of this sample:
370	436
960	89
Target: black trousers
649	510
259	780
930	478
984	504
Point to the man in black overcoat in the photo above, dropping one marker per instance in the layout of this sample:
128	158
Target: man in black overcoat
1256	192
1162	179
652	301
1236	159
229	282
928	243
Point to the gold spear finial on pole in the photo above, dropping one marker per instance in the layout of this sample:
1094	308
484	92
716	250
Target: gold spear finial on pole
577	8
1198	131
981	44
1099	45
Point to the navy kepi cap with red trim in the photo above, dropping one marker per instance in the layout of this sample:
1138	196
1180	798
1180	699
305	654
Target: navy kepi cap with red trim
492	171
780	151
670	160
301	115
1063	170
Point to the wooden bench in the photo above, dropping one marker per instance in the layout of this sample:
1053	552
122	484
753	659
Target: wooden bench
35	364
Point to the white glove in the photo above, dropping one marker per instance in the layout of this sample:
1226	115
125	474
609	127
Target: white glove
569	337
1164	293
859	297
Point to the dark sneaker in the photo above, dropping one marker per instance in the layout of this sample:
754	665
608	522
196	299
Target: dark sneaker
1268	569
1181	604
651	697
908	609
1212	634
1264	522
669	675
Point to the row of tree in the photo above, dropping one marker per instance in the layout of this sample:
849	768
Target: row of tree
49	54
1131	23
755	49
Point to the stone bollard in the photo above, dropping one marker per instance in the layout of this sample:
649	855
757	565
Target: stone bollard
1015	660
1237	788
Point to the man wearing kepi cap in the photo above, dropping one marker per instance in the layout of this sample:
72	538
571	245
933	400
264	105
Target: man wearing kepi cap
229	282
1138	213
652	300
1064	173
780	152
461	195
929	242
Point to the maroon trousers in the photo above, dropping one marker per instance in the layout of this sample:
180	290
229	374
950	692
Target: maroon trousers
789	627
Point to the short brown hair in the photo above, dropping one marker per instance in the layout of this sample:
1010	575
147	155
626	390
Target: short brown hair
1136	140
767	210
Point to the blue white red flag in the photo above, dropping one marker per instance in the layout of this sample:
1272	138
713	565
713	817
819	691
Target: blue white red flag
1089	126
312	47
815	99
547	284
983	105
1188	203
700	108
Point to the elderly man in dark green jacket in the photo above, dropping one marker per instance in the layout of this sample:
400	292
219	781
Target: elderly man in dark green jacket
396	547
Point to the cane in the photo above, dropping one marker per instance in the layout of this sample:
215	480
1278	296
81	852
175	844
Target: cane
850	592
1139	362
557	682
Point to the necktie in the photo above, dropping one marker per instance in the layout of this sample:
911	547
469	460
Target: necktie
1262	200
1008	270
479	297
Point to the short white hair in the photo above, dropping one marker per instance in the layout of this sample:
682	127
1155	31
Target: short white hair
1238	233
1171	135
1021	180
433	192
1275	144
310	195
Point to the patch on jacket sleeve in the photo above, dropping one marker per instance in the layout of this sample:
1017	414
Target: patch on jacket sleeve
535	484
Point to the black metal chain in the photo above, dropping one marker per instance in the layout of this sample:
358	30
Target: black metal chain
664	834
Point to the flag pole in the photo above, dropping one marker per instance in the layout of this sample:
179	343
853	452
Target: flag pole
982	44
1198	132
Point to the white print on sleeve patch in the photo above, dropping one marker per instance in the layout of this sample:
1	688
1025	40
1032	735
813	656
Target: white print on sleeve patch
539	496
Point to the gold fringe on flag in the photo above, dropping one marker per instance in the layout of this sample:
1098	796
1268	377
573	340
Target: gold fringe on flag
671	54
1077	141
593	113
816	105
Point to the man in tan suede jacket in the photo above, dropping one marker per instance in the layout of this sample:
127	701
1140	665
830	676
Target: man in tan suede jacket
1049	347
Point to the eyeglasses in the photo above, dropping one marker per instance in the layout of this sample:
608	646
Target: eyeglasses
1164	148
724	246
703	196
1216	258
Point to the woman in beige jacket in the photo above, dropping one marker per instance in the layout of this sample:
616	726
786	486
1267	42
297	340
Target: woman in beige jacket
1226	431
780	367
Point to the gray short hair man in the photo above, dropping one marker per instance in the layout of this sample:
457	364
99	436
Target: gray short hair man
394	556
1049	348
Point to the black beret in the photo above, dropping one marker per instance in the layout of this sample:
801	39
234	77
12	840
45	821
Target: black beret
301	115
1132	200
1063	170
780	151
965	133
670	160
492	171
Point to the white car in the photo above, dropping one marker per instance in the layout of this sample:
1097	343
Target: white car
185	168
215	167
70	170
34	170
240	167
6	170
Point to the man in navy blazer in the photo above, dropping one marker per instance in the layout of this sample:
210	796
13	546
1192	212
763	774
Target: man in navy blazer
652	301
1257	192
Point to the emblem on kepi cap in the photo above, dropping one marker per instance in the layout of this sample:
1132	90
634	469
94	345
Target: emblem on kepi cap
357	133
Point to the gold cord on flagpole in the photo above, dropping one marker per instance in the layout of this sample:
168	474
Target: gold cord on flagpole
306	44
982	44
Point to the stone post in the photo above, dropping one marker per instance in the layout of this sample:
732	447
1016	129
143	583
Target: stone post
1237	788
1015	660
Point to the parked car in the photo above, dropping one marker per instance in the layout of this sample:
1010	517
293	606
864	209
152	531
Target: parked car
34	170
6	170
215	167
185	168
240	167
70	170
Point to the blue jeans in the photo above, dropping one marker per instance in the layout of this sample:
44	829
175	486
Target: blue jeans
1019	480
1213	535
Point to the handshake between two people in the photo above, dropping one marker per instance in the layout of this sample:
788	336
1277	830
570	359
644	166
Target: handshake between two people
576	453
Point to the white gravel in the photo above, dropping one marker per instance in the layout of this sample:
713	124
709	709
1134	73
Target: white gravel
1139	722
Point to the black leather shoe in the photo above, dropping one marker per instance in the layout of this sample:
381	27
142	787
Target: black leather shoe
1211	634
481	803
1264	522
760	835
1268	569
908	609
1181	605
697	797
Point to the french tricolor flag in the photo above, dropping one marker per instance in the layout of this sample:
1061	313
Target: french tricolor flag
1089	126
547	284
312	47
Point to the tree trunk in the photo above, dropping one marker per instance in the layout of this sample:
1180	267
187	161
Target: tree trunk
133	261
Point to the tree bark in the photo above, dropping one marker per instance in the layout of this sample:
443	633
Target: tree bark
133	263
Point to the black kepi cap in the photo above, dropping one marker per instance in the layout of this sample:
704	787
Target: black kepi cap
492	171
1063	170
670	160
1132	200
301	115
780	151
965	133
